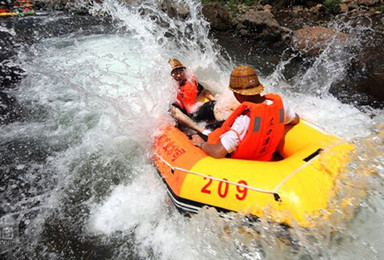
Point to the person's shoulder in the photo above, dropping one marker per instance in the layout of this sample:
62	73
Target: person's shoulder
272	96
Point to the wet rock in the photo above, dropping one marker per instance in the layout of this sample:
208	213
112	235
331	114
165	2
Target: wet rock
298	9
174	9
344	8
310	4
313	40
375	84
368	2
317	9
217	16
260	25
267	8
372	65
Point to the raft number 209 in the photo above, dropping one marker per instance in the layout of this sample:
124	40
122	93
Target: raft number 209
223	188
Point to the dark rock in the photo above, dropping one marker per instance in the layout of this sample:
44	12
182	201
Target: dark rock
310	4
260	25
344	8
217	16
375	84
368	2
174	9
372	65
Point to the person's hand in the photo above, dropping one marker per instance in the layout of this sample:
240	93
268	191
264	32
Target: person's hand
211	97
197	141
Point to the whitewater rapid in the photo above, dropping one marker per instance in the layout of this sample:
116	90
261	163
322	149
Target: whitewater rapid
79	180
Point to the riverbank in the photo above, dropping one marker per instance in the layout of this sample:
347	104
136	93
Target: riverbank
307	30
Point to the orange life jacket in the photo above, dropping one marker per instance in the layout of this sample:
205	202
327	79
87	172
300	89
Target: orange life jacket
187	94
264	132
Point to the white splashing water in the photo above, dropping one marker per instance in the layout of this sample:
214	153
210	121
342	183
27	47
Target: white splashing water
102	100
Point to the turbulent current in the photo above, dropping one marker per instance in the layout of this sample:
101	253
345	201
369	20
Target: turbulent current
77	180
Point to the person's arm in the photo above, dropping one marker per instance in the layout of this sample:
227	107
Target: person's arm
291	117
229	141
185	120
214	150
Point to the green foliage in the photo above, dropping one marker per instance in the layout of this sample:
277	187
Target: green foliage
283	3
232	6
332	6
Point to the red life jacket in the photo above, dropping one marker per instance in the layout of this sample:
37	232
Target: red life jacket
187	94
264	132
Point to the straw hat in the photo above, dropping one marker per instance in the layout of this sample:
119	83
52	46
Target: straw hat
175	64
245	81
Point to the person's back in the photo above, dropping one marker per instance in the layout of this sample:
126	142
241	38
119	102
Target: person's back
254	130
263	125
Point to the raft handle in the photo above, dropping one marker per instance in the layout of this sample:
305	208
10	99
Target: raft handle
277	197
313	155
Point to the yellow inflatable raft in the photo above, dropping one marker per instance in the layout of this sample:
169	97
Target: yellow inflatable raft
8	14
292	190
30	12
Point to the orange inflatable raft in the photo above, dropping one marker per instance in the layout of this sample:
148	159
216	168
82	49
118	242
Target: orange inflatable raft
293	190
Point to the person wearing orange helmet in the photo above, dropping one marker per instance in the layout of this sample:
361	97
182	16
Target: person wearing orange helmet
190	95
254	130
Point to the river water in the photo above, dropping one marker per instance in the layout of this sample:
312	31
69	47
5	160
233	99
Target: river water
77	179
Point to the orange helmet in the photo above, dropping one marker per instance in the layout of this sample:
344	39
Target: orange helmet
244	81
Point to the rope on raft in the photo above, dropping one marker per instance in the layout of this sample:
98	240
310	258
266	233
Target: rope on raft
274	191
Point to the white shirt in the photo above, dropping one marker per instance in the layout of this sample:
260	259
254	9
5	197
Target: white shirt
230	140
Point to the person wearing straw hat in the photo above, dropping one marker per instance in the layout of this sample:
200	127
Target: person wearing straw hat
186	109
254	130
